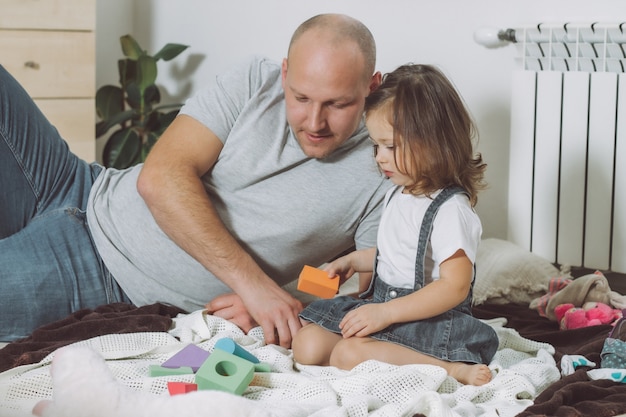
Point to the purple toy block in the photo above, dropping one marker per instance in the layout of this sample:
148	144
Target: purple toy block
191	356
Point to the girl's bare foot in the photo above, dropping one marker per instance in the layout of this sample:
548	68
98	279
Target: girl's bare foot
470	374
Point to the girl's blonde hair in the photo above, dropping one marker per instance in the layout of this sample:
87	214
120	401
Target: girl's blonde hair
433	131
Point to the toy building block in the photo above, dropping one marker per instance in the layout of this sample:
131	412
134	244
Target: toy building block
156	370
317	282
229	345
262	367
224	371
176	388
191	355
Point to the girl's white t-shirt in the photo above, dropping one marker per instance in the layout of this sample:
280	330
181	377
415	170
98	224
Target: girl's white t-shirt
456	226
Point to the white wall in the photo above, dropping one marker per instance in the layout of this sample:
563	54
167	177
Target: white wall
434	32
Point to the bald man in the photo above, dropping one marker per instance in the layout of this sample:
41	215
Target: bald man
266	170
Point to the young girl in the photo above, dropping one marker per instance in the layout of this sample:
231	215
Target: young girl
417	307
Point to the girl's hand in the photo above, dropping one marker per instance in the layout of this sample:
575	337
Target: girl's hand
340	266
346	266
365	320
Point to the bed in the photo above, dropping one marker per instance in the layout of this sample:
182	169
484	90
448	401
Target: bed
100	359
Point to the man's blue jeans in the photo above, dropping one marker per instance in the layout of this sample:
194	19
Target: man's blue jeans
49	266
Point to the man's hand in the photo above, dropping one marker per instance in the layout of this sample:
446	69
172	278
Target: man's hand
230	307
275	312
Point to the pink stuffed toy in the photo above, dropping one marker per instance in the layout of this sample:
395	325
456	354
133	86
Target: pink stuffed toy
590	314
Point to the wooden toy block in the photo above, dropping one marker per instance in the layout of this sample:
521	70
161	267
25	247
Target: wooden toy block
157	370
317	282
224	371
176	388
229	345
191	355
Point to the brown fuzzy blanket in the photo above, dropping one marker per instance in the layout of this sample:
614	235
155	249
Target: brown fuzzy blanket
575	395
83	325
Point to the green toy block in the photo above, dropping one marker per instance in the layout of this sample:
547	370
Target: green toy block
225	372
262	367
156	370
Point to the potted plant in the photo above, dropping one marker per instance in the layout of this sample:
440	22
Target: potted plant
132	108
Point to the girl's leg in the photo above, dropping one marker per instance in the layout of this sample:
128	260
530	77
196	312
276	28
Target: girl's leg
312	345
350	352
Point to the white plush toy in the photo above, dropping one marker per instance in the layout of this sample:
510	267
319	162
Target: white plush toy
83	386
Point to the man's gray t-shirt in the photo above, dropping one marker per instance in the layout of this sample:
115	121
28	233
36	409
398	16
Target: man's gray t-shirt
284	208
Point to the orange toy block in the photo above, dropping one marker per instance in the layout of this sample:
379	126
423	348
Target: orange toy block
317	282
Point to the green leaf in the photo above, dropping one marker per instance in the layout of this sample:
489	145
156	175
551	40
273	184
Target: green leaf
104	126
138	159
101	128
130	47
133	95
128	71
109	101
170	51
151	140
121	149
153	121
157	121
166	120
152	95
146	72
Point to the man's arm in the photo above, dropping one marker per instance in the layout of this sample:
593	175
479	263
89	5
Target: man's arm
170	183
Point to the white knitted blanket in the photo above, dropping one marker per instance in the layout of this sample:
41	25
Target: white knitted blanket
110	379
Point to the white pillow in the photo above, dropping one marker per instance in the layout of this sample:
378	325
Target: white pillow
507	273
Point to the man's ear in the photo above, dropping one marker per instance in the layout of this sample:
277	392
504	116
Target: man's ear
377	79
283	70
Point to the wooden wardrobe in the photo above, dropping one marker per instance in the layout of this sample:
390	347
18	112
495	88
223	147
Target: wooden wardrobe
49	47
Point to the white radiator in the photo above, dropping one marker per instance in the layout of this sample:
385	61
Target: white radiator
567	178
